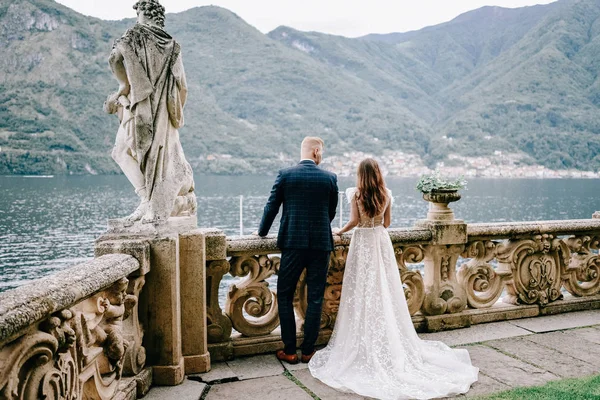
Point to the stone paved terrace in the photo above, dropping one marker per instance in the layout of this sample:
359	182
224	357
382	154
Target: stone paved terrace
526	352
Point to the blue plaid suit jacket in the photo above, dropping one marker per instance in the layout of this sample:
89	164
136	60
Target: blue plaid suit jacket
309	196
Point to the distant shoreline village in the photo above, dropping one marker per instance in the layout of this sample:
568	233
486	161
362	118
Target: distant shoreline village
399	164
499	165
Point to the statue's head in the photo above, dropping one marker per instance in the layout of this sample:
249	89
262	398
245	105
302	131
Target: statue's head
150	10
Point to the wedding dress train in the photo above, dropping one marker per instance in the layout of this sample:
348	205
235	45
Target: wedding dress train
374	350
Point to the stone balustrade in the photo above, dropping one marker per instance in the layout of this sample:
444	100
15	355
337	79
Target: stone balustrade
454	275
75	334
88	332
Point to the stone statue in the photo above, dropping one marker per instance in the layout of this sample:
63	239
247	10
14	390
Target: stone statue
146	62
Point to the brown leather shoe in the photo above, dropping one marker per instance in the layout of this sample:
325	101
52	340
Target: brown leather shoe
306	358
288	358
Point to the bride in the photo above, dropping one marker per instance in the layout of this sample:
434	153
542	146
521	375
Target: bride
374	350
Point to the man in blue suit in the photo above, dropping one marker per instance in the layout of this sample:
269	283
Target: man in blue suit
309	196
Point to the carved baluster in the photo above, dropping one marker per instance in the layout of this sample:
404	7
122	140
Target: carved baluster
301	300
581	277
135	356
536	266
218	324
443	293
333	288
482	283
253	295
414	288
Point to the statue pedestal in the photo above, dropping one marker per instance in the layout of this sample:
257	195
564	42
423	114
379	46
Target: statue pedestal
445	232
172	302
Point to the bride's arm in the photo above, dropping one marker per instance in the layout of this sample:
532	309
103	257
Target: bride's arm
387	216
353	219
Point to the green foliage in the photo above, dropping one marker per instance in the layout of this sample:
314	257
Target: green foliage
54	163
435	182
3	9
566	389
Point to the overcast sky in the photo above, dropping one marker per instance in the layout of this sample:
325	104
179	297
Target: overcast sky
340	17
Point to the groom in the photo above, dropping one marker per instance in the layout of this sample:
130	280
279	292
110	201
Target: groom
309	196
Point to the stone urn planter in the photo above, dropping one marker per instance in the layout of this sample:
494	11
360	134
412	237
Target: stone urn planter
439	192
438	204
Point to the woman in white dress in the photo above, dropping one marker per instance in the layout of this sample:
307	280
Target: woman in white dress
374	350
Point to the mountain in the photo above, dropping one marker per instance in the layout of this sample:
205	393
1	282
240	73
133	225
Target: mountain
52	81
540	97
456	48
250	97
415	66
270	96
517	80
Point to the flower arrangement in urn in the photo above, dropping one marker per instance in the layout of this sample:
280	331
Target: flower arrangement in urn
440	191
434	182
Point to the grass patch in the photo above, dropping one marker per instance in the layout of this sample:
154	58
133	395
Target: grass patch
566	389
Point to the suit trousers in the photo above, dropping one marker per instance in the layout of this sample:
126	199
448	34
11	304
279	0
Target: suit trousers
293	262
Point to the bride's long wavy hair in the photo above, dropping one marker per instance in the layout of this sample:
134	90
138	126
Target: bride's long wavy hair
371	188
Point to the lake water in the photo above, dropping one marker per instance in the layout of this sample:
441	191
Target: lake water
47	224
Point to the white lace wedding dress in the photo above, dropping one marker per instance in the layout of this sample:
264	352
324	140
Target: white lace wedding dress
374	350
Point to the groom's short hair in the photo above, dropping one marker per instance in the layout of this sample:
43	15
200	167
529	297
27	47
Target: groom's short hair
310	142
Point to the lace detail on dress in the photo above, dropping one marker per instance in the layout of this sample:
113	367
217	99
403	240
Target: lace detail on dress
374	350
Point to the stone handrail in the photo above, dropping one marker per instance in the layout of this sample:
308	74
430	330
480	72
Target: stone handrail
506	230
465	268
237	245
73	334
29	304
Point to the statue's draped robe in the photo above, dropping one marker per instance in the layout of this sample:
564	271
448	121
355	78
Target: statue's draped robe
158	93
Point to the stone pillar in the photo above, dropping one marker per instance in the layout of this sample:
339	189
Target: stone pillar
192	264
161	297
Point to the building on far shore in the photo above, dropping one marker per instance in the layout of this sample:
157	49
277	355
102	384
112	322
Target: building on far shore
498	165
